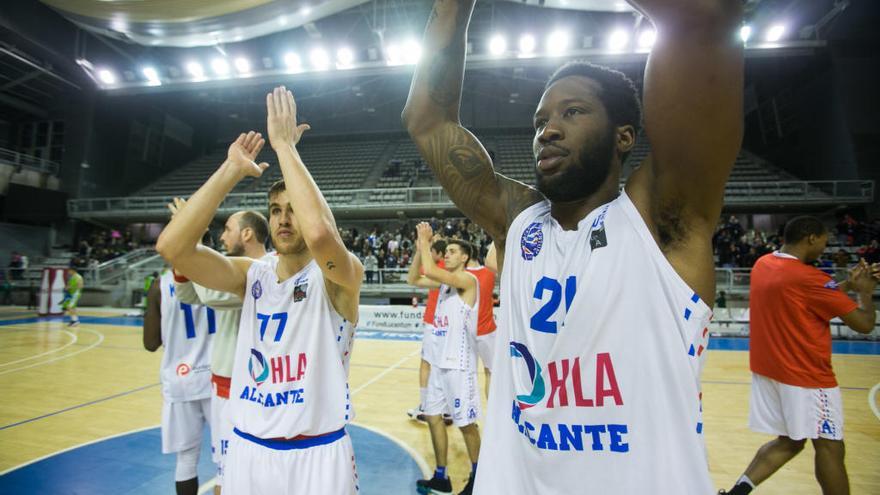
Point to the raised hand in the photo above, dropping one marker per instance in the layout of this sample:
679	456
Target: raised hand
281	121
242	153
424	233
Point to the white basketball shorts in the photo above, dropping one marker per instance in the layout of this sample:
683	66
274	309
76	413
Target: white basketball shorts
221	432
319	465
456	391
486	348
430	344
795	412
182	424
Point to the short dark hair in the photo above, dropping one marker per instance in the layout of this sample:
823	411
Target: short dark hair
439	246
465	246
277	187
618	92
799	228
255	221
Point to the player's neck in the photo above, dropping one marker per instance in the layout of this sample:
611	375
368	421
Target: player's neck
291	264
255	252
794	250
569	213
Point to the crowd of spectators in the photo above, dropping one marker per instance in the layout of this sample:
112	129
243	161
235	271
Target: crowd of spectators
383	249
848	241
101	246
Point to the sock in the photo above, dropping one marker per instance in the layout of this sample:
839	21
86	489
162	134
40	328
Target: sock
423	392
440	472
743	486
74	318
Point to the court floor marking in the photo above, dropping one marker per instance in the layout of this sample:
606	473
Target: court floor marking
423	465
87	348
84	444
84	404
73	337
872	399
380	375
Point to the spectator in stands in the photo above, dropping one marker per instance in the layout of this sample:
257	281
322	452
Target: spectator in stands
721	300
795	395
390	260
871	252
371	264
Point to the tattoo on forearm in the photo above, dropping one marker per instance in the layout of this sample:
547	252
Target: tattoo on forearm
331	265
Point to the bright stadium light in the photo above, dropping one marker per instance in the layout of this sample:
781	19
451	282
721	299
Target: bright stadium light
412	52
647	38
745	33
195	69
293	62
242	65
557	42
775	33
344	58
497	45
319	59
151	75
393	54
220	66
618	39
526	45
107	76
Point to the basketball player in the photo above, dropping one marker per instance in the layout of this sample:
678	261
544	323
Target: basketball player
604	292
72	292
429	340
185	331
244	234
289	400
452	384
794	392
486	325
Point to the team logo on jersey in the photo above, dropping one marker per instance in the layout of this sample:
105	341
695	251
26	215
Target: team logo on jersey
531	241
183	369
832	285
527	400
299	292
258	367
257	290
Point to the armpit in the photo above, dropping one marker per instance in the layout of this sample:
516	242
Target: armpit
672	227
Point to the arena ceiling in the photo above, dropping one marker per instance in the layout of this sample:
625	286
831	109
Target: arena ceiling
52	49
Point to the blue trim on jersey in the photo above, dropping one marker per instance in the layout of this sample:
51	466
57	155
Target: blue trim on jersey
293	444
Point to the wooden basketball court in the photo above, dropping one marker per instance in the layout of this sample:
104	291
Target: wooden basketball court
65	387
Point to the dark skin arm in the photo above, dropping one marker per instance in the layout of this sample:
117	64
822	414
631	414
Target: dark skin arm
457	158
153	318
693	100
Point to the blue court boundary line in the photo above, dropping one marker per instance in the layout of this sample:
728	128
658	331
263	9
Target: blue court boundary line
71	408
856	347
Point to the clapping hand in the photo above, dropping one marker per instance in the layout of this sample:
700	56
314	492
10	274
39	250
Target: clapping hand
281	121
243	152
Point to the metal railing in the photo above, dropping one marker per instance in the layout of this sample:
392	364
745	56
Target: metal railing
29	162
777	192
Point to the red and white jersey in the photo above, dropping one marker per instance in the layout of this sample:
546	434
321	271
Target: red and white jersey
455	328
186	335
596	373
486	322
290	376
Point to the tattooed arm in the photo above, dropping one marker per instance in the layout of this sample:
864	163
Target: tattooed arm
431	116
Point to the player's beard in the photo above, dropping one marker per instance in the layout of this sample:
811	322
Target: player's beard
294	245
237	249
582	179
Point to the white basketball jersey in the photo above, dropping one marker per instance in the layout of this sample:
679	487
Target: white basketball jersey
455	326
186	335
596	380
290	376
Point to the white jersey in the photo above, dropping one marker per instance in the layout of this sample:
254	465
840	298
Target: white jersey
290	375
186	335
455	328
596	379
